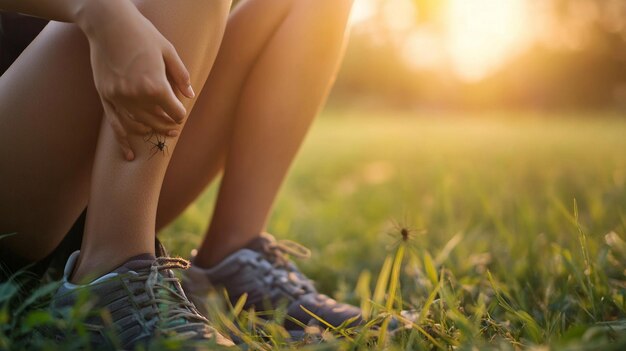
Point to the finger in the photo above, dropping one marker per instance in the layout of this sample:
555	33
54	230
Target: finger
137	128
171	105
165	126
118	130
148	113
131	124
177	71
125	113
158	110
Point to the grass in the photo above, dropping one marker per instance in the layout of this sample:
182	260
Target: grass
518	230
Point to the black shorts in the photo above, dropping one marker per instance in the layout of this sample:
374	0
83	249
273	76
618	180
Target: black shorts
16	32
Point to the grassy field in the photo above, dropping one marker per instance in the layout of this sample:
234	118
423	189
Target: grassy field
500	257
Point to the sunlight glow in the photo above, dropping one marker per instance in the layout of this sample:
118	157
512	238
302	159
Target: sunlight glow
361	11
399	14
472	37
481	34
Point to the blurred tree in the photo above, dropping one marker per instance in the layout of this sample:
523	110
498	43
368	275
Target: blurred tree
577	59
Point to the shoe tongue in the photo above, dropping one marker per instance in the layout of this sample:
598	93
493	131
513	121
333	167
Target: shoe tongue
143	263
259	244
136	263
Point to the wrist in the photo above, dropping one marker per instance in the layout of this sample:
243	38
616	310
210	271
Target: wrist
91	15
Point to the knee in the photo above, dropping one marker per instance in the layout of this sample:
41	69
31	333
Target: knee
333	5
327	18
329	12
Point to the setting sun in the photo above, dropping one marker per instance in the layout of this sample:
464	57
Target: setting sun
473	37
481	34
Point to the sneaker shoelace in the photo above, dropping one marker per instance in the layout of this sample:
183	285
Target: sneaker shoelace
285	274
169	305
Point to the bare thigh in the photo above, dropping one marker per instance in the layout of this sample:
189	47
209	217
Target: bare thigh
49	121
50	116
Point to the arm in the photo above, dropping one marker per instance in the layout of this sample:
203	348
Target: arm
57	10
131	63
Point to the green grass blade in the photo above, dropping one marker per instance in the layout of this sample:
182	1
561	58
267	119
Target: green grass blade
239	305
391	296
364	293
431	271
429	301
383	280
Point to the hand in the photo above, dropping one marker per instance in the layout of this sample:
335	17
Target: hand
131	63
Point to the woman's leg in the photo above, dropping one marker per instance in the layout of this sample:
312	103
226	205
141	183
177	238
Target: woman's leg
49	121
272	74
195	27
49	124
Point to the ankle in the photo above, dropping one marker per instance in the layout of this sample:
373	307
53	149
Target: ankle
215	248
206	260
90	266
209	258
85	271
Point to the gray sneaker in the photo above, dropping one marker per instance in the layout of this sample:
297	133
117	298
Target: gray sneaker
145	303
262	271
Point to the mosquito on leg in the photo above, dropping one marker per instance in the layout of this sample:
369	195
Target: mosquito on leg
158	144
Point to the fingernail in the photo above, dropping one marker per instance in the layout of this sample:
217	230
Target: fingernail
190	91
130	156
173	133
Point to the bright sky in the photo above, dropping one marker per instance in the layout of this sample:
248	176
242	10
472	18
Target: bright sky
476	38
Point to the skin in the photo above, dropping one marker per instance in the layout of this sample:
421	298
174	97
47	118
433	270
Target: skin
248	119
65	155
266	97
